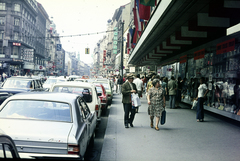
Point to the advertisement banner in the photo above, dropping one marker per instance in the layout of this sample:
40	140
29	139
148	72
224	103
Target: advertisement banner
199	54
225	46
28	55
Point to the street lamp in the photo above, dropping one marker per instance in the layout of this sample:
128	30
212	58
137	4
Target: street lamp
122	24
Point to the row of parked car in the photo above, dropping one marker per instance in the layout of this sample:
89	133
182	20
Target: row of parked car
52	119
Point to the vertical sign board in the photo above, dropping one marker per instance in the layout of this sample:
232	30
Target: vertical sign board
225	46
115	39
104	57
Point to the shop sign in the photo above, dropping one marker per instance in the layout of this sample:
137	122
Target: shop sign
183	59
199	54
28	65
16	44
225	46
132	69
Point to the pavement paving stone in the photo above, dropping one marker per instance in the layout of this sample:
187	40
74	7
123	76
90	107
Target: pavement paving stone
182	138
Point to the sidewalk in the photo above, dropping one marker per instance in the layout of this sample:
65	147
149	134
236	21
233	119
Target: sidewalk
180	139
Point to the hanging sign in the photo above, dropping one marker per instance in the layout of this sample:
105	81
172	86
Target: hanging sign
225	46
199	54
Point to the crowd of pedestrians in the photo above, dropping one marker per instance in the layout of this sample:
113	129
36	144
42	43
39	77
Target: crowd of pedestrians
158	91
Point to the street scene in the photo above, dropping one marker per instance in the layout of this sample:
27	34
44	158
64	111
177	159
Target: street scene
120	80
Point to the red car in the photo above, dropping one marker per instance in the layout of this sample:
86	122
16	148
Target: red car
101	92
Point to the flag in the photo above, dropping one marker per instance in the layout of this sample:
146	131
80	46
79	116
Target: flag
144	11
148	2
137	22
128	34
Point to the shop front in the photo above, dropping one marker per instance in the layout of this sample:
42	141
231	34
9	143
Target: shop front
195	46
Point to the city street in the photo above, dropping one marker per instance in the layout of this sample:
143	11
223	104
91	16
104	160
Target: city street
181	138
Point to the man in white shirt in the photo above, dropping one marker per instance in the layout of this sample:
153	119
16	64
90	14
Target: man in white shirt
139	85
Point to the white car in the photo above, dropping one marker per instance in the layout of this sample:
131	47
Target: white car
87	90
50	81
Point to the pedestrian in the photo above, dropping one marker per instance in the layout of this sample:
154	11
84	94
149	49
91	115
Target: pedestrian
202	91
127	89
139	84
172	90
120	82
116	84
179	91
144	83
156	102
164	86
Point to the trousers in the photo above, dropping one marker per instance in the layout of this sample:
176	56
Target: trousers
127	109
200	109
172	101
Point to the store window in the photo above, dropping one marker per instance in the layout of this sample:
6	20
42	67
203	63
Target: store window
16	36
2	6
2	20
17	7
16	21
15	52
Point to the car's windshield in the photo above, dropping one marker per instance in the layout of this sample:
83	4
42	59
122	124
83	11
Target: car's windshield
17	83
37	110
85	92
50	81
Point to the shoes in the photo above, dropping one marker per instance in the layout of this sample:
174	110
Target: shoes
126	126
156	128
200	120
131	124
151	125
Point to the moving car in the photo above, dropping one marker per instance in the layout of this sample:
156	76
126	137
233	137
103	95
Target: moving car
8	149
50	81
101	92
107	85
48	125
88	91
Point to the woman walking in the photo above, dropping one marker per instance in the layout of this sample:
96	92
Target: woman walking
156	102
202	91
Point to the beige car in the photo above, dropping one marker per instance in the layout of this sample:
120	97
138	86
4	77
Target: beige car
87	90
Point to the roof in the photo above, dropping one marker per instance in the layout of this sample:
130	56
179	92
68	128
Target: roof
51	96
75	83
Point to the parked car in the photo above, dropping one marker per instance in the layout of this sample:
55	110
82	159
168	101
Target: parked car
8	149
48	125
73	77
88	91
107	85
14	85
102	94
50	81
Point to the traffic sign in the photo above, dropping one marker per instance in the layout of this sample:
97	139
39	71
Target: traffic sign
59	47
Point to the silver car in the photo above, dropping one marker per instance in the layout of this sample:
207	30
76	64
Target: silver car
48	125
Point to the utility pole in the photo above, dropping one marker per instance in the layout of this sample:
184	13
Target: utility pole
122	23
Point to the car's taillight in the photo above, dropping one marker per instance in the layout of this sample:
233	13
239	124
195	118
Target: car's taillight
109	95
73	149
96	107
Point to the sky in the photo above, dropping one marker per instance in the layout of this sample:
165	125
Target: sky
74	17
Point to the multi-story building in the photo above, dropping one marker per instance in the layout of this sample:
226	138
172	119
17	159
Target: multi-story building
17	35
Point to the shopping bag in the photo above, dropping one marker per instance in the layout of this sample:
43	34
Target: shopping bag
135	100
163	118
194	105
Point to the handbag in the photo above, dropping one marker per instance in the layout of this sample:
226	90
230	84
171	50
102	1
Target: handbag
194	105
163	118
135	100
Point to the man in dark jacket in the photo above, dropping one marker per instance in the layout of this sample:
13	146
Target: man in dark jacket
127	89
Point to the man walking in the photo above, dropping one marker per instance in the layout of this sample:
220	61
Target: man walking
127	89
139	85
120	82
172	90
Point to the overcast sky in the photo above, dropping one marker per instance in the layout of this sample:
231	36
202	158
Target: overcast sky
73	17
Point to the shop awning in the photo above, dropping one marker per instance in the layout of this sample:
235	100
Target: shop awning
176	27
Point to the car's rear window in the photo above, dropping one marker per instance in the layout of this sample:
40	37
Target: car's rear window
99	89
85	92
17	83
37	110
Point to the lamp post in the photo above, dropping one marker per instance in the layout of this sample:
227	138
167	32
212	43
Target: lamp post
122	24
